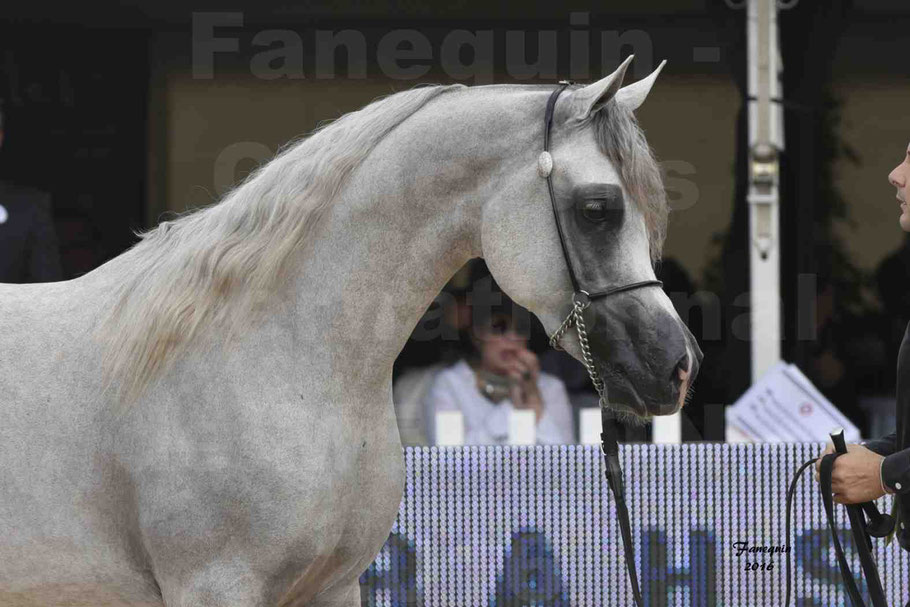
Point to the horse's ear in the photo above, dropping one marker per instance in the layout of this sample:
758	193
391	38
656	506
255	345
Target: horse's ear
585	101
634	95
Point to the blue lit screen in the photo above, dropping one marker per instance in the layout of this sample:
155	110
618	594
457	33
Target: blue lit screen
522	526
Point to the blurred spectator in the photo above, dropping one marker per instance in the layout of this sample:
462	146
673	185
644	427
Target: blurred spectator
434	344
500	375
437	336
28	243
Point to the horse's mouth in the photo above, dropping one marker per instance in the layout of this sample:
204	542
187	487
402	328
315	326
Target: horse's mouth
633	409
630	415
634	403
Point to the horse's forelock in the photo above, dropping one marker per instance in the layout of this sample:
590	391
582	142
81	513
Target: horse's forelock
623	142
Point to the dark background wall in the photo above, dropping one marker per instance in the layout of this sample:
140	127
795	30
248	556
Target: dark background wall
75	101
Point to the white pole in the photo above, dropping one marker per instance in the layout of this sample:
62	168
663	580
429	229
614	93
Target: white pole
765	142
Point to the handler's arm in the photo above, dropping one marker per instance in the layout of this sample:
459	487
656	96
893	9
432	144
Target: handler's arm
883	446
895	468
896	472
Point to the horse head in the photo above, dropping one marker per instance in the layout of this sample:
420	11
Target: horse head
594	233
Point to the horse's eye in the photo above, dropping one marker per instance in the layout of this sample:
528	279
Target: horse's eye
594	210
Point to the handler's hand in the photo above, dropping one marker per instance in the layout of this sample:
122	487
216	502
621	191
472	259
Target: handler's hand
855	476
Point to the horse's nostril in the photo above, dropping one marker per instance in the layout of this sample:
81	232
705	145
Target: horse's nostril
681	370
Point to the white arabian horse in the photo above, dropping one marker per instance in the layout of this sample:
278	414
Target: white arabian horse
207	420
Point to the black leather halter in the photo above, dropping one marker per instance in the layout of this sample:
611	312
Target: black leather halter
592	291
609	443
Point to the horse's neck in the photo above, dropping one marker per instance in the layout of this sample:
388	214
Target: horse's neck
375	279
399	231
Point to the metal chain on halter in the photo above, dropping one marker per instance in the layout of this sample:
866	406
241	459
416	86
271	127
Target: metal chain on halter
609	445
576	318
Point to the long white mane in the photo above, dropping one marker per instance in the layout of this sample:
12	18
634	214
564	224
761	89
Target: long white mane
214	268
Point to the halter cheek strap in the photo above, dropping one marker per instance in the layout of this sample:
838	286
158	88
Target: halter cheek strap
609	439
545	164
545	168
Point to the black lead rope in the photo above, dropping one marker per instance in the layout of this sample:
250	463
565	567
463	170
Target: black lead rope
790	493
609	447
878	526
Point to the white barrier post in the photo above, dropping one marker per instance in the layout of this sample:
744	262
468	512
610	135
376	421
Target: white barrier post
589	425
449	428
522	427
667	428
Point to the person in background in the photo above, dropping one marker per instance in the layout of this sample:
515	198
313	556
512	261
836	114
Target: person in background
436	338
876	467
500	375
28	243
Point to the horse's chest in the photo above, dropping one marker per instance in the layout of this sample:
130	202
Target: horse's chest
310	503
371	502
358	523
363	495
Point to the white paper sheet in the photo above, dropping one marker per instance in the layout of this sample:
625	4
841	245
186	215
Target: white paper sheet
784	406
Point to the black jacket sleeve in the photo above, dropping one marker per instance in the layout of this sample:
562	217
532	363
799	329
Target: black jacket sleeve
896	472
883	446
